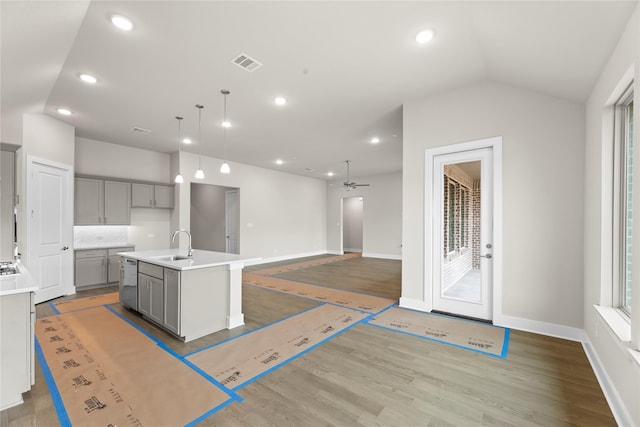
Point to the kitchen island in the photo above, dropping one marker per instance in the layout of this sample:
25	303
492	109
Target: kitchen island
190	296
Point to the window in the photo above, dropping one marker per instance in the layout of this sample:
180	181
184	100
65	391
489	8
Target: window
623	202
456	214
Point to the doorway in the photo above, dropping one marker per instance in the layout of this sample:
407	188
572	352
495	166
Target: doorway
49	220
352	215
463	246
214	218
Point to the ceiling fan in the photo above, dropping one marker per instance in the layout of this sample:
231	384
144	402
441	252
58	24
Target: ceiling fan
348	184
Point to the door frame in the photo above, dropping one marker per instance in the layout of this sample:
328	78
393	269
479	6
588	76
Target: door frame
31	236
495	143
227	218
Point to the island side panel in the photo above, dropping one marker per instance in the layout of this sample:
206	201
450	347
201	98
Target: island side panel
235	317
204	302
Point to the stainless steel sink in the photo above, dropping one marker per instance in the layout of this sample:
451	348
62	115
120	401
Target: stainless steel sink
172	258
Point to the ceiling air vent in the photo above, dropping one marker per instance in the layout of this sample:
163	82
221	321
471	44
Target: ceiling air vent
245	62
140	130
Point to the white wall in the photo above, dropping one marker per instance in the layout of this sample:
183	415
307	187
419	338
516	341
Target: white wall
281	215
382	217
613	354
105	159
543	158
150	228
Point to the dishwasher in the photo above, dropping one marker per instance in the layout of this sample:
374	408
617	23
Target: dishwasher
129	283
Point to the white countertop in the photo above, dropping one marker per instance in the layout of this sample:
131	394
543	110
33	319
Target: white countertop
17	283
84	246
199	259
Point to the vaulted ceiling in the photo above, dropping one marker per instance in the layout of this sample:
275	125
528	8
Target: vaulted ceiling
345	69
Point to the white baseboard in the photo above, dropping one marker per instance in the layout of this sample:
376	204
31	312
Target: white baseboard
383	256
620	413
285	257
542	328
414	304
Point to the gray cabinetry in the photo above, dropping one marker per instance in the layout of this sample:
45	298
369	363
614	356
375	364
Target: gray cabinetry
172	300
98	267
91	268
117	209
151	196
101	202
151	291
89	201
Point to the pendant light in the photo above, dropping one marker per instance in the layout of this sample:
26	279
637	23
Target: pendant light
224	168
199	173
179	179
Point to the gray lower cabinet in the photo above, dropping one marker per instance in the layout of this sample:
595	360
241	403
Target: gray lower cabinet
98	267
91	268
151	291
172	300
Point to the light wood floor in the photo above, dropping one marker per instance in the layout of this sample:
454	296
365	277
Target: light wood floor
369	376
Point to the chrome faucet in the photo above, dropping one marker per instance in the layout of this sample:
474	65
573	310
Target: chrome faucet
173	238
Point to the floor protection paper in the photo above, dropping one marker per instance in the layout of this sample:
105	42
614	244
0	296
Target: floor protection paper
368	303
106	372
467	334
81	303
306	264
240	360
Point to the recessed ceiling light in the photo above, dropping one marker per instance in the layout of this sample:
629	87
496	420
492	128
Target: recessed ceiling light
64	111
425	36
186	141
226	124
375	140
330	174
88	78
279	162
122	22
280	100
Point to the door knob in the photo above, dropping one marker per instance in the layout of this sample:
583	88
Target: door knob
64	248
487	256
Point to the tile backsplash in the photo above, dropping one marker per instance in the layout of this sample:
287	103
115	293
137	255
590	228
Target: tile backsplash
97	235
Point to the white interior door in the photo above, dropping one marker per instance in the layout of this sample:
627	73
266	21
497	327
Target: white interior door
49	228
232	219
463	240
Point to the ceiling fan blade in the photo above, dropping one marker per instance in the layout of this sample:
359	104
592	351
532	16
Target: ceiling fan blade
361	185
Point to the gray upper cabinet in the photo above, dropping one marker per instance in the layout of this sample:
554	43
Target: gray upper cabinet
89	201
151	196
100	202
116	203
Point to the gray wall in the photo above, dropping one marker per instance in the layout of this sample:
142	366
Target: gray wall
352	209
7	181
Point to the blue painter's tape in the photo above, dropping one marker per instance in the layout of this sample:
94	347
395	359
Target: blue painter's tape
505	345
209	413
54	308
501	356
178	356
284	362
63	417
